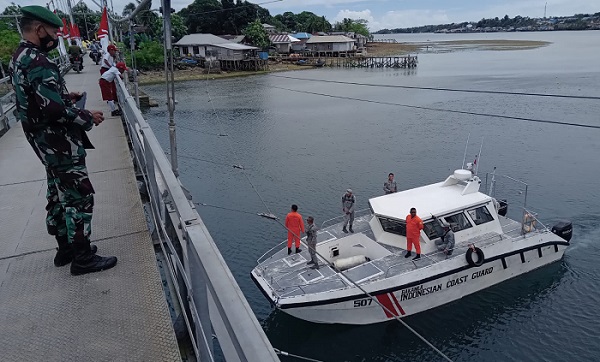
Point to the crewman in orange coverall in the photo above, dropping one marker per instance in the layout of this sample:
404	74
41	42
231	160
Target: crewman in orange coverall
295	226
414	225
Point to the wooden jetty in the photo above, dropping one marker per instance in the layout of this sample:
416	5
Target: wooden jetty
384	41
408	61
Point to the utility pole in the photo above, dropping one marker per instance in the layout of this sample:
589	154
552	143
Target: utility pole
169	78
70	8
135	76
545	6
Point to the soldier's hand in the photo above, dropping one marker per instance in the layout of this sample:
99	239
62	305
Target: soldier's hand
98	117
75	96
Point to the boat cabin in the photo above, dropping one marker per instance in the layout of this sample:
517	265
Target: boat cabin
456	200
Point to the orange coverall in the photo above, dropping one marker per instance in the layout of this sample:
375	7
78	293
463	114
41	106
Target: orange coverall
414	225
295	226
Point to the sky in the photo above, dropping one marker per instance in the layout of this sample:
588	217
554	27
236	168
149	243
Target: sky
397	13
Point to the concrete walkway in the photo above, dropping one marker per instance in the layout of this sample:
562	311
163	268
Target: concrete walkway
45	313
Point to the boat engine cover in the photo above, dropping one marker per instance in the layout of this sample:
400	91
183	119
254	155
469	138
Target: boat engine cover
564	229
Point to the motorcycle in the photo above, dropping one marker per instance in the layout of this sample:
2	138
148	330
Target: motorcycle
77	63
95	56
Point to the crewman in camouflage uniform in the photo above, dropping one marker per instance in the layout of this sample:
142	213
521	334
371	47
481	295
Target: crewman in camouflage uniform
55	128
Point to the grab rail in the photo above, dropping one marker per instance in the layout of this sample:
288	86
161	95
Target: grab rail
212	302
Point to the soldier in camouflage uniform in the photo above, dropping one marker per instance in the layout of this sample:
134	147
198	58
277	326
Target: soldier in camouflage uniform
55	129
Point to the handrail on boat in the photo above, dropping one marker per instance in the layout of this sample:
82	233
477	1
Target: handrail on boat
319	282
357	214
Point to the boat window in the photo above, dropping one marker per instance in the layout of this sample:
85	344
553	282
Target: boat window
393	226
433	229
458	222
480	215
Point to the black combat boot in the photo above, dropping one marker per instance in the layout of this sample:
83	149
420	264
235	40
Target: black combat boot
64	253
298	250
408	253
84	261
417	257
289	251
351	228
345	230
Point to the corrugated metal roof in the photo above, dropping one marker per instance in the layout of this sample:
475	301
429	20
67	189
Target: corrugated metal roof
302	36
213	40
200	39
233	38
234	46
282	38
329	39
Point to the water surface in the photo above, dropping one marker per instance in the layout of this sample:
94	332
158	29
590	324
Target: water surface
307	149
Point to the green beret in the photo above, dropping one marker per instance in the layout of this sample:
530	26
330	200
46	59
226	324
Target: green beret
42	14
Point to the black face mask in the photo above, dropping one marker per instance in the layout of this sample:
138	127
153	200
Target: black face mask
48	43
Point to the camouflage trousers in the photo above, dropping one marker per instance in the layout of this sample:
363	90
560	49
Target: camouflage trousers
70	205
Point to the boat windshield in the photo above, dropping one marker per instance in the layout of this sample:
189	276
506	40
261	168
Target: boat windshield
432	229
393	226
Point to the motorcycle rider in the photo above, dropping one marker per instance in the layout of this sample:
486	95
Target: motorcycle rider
95	51
75	52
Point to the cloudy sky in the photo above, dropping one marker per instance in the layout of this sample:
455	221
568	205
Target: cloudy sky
398	13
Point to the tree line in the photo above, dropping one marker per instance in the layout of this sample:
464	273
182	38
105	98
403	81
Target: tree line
574	22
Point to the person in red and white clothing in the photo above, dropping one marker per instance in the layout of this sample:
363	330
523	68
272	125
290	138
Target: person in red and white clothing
108	86
108	60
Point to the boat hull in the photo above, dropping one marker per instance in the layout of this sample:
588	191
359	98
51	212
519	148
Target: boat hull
433	290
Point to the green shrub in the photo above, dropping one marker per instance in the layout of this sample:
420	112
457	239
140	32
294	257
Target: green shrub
148	56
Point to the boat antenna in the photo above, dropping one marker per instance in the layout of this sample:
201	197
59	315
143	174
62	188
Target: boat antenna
478	158
465	156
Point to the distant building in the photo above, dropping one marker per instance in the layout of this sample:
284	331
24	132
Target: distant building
269	28
240	39
282	42
331	44
300	45
212	47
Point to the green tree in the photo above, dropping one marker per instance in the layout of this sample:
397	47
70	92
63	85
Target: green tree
9	41
200	16
178	27
87	20
358	26
149	56
257	35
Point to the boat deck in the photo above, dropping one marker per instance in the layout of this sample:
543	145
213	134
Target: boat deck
119	314
290	276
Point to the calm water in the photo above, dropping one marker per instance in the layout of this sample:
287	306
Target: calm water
307	149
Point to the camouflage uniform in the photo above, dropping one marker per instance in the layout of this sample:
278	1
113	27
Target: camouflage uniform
55	129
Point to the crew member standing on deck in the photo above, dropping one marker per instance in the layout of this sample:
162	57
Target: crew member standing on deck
348	201
55	129
295	226
389	187
414	225
311	241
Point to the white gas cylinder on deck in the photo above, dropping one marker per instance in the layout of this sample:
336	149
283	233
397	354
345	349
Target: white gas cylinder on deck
350	262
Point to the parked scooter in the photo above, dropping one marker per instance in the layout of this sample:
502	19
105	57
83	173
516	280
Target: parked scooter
77	63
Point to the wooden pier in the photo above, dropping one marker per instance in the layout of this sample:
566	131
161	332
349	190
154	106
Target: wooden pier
407	62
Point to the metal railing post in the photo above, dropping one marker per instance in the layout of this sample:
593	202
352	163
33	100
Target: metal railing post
218	310
166	12
135	76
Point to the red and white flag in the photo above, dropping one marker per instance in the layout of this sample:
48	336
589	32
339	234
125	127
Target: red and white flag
65	29
103	30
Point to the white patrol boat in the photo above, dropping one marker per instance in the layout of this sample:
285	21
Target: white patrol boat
364	278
